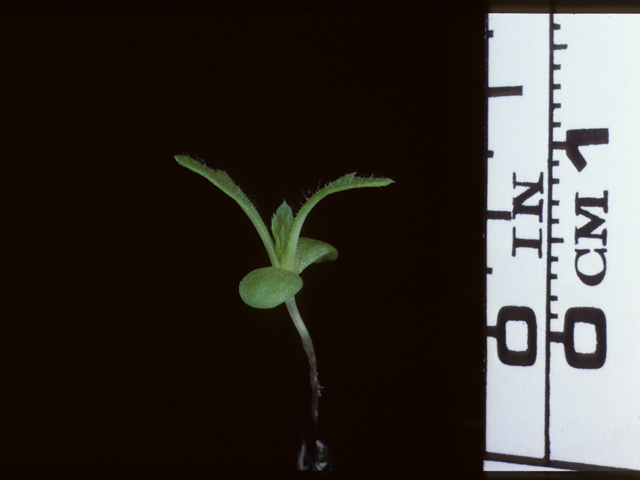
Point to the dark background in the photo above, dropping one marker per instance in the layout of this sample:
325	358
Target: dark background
126	344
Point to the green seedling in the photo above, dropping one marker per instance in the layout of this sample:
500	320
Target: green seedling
289	253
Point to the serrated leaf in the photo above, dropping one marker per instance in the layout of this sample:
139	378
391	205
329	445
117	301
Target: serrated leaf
223	181
311	251
345	182
281	223
268	287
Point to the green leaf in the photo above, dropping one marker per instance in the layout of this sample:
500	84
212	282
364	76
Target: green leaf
281	228
223	181
345	182
268	287
313	251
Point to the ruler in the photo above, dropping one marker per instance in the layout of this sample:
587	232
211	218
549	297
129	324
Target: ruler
562	233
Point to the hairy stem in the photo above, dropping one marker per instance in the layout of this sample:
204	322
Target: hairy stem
308	348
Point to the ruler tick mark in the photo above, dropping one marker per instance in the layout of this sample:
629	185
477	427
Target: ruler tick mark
505	91
498	215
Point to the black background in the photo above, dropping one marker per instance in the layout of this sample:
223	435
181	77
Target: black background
126	344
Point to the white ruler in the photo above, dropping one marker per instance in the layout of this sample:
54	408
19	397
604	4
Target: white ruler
562	242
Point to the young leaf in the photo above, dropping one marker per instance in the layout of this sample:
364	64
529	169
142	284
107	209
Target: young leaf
281	228
345	182
268	287
313	251
223	181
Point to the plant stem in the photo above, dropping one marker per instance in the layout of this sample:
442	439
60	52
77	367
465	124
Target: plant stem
308	348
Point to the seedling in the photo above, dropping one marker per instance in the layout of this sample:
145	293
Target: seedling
290	254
